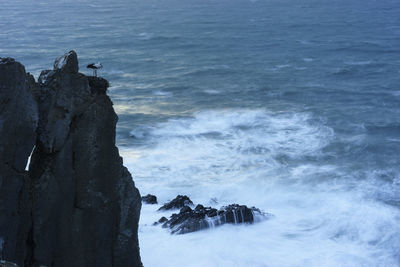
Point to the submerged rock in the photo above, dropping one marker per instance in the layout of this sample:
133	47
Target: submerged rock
177	203
161	220
78	205
190	220
149	199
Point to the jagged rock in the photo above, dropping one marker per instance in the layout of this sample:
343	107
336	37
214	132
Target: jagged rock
65	94
149	199
98	85
82	208
188	220
67	63
161	220
18	122
177	203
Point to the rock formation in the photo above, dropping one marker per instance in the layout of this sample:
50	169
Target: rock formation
18	122
177	203
190	220
149	199
78	205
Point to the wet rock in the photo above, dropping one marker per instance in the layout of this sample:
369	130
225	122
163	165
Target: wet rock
237	214
161	220
149	199
188	220
177	203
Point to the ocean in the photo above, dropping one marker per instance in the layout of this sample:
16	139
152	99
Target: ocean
291	106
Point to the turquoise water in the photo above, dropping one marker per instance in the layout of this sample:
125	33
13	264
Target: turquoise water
291	106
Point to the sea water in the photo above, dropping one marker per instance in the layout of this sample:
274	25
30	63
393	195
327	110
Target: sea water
292	106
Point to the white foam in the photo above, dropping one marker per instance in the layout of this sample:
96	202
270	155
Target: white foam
396	93
146	35
358	63
279	67
212	92
258	158
224	146
162	93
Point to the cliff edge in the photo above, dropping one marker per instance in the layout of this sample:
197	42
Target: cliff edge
77	205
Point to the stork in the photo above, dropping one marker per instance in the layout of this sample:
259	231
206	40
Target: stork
95	67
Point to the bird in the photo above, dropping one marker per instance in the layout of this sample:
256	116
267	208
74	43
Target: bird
95	67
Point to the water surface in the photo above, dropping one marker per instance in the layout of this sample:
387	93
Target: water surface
290	106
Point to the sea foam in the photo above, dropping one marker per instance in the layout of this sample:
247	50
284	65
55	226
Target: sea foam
269	160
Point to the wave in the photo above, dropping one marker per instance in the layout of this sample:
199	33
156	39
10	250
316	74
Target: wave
272	160
145	36
213	70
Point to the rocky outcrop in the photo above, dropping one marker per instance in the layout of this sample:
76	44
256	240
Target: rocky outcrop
190	220
149	199
79	201
177	203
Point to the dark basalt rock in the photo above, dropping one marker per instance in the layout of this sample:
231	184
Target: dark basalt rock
19	118
67	63
161	220
188	220
77	205
98	85
177	203
149	199
18	114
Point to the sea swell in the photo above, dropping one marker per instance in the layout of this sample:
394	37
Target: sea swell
279	162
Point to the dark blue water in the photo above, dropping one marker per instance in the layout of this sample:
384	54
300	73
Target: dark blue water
292	106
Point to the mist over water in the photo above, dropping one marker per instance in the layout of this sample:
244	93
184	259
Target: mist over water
324	214
289	106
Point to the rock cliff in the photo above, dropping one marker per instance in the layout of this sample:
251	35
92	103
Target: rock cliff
18	122
77	205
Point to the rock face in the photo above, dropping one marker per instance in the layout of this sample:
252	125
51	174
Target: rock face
83	207
18	122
